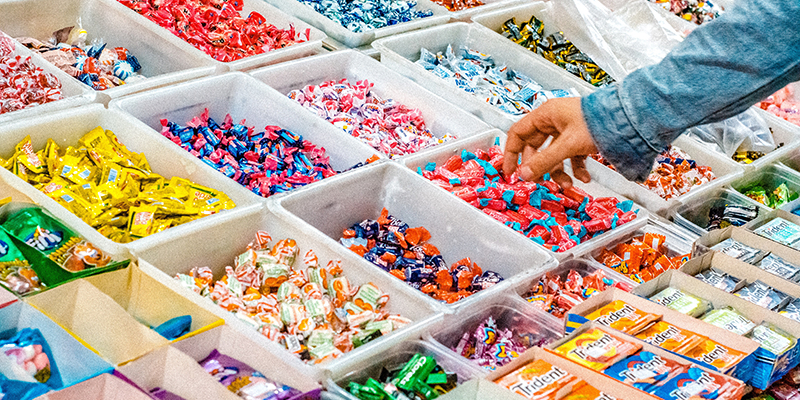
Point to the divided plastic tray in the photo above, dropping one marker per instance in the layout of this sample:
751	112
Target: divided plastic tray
692	213
345	200
400	53
770	177
217	246
163	62
486	140
440	117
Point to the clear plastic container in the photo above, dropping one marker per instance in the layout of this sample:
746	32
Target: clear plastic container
455	228
692	213
468	14
216	246
531	327
163	62
364	369
440	117
770	177
356	39
487	139
400	53
244	98
581	265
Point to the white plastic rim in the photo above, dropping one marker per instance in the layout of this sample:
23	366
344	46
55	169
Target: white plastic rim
163	63
486	140
775	174
66	127
243	97
216	246
272	15
694	209
400	53
357	39
455	228
440	117
466	15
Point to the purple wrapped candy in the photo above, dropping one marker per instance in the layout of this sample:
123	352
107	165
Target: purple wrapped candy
163	394
243	380
491	347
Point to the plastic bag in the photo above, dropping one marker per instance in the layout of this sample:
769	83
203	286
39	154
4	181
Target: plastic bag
744	132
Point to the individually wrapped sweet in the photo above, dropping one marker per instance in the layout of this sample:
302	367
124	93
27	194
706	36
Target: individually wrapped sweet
597	349
30	85
557	296
773	198
539	380
492	346
642	258
243	380
762	294
739	250
718	279
421	377
675	174
780	267
772	338
164	394
784	103
175	327
16	273
729	319
681	302
697	11
730	215
458	5
781	231
27	357
623	317
368	15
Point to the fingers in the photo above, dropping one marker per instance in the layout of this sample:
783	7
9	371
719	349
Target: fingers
532	130
546	160
561	178
579	169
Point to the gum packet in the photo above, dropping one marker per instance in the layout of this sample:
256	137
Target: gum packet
738	250
718	279
597	349
730	319
781	231
681	301
780	267
762	294
772	338
670	337
539	380
623	317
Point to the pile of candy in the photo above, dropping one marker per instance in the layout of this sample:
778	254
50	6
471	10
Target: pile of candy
747	157
723	216
771	198
22	83
783	104
787	388
27	366
243	380
217	28
419	378
760	258
407	254
316	313
547	214
492	346
112	188
458	5
388	126
697	11
557	295
477	74
781	231
674	174
266	163
541	380
642	258
97	65
556	49
366	15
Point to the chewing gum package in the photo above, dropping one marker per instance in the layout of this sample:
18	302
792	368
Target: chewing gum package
644	370
696	384
539	380
671	338
596	349
587	392
716	355
623	317
681	302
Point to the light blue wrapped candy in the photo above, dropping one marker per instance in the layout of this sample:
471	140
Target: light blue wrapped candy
123	69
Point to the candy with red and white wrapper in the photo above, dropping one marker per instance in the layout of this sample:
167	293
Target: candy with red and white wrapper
556	218
316	312
674	174
557	296
408	255
217	27
22	83
784	104
388	126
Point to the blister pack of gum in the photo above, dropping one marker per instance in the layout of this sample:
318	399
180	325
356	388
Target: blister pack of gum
670	337
539	380
644	371
695	384
715	354
623	317
596	349
584	391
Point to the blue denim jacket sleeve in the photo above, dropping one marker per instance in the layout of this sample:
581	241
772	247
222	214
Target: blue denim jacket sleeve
718	71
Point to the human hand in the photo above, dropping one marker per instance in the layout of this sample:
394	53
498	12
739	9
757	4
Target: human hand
562	119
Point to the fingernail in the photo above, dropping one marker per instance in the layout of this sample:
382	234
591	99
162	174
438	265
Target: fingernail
525	173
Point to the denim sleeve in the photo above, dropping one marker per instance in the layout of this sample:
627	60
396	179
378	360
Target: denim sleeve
720	70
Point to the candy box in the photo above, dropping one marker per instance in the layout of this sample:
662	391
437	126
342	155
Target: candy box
400	53
440	117
240	346
169	369
102	387
360	370
725	171
349	199
767	181
695	212
206	247
768	367
747	237
635	304
529	327
483	142
167	62
75	362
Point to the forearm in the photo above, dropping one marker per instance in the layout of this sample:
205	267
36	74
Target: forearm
720	70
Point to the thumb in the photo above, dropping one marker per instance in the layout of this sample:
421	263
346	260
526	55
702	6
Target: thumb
547	159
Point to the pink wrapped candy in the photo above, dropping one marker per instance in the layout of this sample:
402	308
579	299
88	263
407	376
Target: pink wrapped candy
22	83
784	103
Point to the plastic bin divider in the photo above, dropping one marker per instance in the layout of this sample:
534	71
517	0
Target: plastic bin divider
692	212
440	116
774	175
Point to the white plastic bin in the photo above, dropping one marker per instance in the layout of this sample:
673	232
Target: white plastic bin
440	117
74	93
396	357
217	246
692	213
770	177
726	170
356	39
531	327
400	53
66	127
455	229
272	15
244	98
466	15
163	62
486	140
